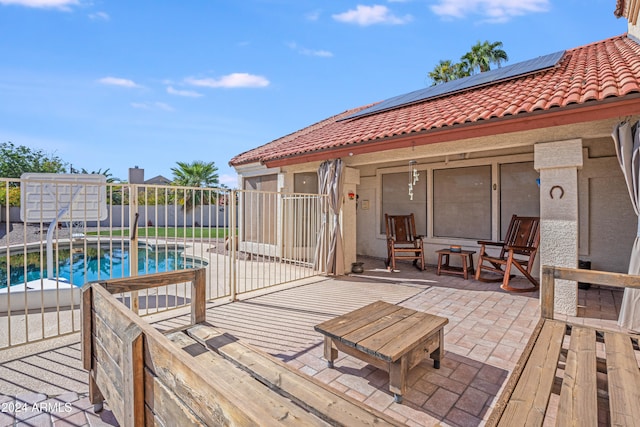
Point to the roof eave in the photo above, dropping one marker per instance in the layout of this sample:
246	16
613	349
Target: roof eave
573	114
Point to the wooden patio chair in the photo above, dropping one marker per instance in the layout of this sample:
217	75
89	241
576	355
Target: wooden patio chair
402	240
518	249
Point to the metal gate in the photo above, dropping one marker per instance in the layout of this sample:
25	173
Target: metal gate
247	240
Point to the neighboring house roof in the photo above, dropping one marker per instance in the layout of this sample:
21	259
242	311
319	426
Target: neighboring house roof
160	180
597	81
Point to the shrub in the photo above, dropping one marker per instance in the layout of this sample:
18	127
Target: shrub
13	197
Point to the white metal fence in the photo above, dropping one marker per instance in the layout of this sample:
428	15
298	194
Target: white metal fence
247	240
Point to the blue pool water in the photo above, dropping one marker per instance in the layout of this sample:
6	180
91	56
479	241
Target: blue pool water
81	267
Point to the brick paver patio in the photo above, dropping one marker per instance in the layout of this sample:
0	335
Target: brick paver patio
487	330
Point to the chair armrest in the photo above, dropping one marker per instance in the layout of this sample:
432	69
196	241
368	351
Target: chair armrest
483	242
520	248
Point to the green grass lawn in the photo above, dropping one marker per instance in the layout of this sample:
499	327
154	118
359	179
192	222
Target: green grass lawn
207	233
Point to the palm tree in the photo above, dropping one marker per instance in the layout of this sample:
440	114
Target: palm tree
195	174
107	173
461	69
442	73
446	71
483	54
114	193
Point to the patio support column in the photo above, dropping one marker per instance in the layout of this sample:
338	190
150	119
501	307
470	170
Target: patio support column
558	163
348	219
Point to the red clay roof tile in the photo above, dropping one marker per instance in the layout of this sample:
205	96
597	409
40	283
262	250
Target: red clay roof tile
605	69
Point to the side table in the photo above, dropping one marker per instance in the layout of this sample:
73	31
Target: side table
466	257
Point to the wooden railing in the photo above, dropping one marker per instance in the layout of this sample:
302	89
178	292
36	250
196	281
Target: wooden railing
550	274
197	375
124	354
593	371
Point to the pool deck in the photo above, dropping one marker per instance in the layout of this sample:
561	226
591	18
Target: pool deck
488	329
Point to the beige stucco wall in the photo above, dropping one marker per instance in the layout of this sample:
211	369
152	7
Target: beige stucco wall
634	30
607	220
348	217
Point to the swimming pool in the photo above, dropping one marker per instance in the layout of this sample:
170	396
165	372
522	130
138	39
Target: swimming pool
87	264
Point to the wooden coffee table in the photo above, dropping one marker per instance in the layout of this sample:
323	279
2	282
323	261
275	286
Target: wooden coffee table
387	336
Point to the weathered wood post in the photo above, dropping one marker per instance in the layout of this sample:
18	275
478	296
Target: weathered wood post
547	292
133	376
199	296
88	327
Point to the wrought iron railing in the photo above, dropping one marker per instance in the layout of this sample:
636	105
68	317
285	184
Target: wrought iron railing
246	240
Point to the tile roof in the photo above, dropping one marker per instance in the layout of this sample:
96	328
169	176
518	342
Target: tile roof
600	71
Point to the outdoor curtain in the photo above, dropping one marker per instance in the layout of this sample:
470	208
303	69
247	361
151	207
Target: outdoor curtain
627	142
330	177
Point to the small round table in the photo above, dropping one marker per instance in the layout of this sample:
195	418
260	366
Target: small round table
466	257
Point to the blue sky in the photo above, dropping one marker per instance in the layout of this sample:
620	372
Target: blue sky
116	84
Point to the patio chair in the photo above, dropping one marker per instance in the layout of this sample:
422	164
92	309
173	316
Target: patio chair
518	249
402	240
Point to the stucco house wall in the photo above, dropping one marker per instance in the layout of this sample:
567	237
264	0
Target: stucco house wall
606	217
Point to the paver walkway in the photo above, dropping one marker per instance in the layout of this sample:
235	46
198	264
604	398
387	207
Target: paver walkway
487	331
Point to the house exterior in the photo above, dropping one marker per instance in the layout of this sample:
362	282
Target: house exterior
136	176
158	180
535	141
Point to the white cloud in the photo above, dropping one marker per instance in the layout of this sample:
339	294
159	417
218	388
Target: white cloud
188	93
43	4
370	15
310	52
492	10
233	80
152	106
98	16
116	81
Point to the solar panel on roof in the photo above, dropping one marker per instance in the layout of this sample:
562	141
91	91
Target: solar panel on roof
481	79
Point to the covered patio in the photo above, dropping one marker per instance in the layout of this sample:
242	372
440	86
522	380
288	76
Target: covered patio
487	331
